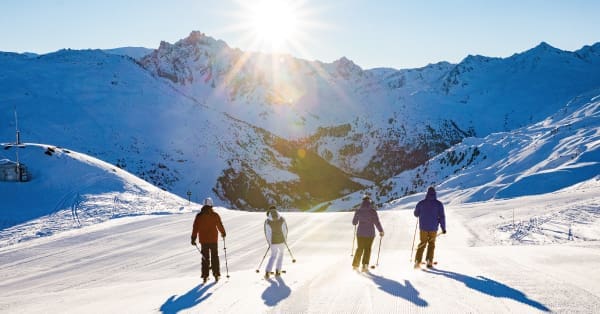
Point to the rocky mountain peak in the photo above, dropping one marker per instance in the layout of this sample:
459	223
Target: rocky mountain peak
346	67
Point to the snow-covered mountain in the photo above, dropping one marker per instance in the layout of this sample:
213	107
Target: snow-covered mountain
109	107
377	123
550	155
512	145
254	129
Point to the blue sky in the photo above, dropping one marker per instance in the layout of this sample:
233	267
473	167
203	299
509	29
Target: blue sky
397	34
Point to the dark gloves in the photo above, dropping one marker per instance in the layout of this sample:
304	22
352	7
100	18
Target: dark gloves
444	231
224	234
194	241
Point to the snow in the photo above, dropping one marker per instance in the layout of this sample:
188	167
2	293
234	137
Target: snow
293	98
85	236
71	190
102	105
545	157
97	239
211	106
145	264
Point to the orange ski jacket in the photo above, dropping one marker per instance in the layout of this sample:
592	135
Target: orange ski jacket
207	224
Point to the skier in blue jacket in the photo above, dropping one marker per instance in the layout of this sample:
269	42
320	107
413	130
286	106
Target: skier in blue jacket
367	219
430	212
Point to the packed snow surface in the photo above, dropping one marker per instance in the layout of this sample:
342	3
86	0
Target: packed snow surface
145	264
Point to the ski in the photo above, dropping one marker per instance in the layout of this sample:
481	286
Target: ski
205	280
428	267
274	274
362	271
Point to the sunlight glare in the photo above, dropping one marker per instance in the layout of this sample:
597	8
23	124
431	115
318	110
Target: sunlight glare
274	23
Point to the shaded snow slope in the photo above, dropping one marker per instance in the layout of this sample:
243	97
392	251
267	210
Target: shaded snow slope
146	264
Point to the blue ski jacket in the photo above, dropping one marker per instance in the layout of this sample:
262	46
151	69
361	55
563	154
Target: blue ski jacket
430	212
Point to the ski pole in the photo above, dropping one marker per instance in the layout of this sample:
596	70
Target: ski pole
263	259
378	251
225	248
292	255
353	240
413	244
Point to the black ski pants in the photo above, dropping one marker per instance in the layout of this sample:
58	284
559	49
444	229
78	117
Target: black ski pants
363	250
210	259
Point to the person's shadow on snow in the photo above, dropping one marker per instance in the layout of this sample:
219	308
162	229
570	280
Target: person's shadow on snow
193	297
276	292
406	291
491	287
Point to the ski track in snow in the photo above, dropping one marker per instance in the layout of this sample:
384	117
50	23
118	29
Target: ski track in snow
146	265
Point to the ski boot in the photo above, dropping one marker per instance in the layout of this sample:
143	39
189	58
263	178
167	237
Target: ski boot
429	264
417	265
204	280
277	273
267	275
365	268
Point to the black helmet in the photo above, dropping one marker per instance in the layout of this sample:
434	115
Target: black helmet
272	212
272	208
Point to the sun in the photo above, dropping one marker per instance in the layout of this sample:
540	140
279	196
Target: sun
274	23
276	26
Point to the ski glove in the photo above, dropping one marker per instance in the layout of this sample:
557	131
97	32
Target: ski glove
193	241
444	231
381	234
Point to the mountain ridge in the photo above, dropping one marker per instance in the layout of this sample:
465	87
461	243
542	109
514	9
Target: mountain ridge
370	124
422	103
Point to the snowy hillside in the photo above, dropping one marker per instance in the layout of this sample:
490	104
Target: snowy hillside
68	190
109	107
392	120
558	152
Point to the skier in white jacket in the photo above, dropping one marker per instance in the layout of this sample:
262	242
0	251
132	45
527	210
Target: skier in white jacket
276	234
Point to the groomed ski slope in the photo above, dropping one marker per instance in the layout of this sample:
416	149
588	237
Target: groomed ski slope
146	264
